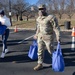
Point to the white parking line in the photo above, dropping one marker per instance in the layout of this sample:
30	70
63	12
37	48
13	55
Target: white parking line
25	39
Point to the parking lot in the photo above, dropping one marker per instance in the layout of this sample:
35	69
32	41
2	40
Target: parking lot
17	62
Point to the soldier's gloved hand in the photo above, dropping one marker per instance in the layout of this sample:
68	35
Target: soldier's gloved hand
35	36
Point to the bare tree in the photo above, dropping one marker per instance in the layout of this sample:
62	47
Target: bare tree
27	13
5	5
48	4
59	7
31	12
54	6
34	11
20	7
70	8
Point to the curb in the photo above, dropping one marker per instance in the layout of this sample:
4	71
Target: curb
70	30
67	30
24	28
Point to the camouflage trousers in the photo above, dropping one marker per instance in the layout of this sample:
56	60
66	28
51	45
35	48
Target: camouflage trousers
44	41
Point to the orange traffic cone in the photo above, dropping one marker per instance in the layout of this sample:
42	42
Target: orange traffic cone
73	32
15	30
73	37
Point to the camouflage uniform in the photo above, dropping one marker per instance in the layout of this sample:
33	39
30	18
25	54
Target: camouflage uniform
46	26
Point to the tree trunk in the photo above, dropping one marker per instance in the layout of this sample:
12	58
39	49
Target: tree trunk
27	18
21	17
17	16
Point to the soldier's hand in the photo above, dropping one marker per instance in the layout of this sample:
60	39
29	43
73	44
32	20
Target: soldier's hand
35	36
59	40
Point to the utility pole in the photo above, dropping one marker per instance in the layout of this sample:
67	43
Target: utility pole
10	11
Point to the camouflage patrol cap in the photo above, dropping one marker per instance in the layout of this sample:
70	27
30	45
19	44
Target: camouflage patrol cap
42	6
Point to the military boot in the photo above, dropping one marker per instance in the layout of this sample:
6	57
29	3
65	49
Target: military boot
38	67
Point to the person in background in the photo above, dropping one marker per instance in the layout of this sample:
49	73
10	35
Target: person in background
4	21
46	26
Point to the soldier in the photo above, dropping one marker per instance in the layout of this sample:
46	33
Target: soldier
46	26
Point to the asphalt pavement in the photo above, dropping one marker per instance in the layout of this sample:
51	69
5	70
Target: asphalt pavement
17	62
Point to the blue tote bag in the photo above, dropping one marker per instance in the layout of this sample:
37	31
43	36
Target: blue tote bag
2	29
58	60
33	51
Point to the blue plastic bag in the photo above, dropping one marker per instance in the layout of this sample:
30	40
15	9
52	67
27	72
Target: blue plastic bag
33	51
2	29
58	60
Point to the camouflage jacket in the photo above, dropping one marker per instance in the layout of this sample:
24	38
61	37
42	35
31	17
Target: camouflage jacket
46	25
